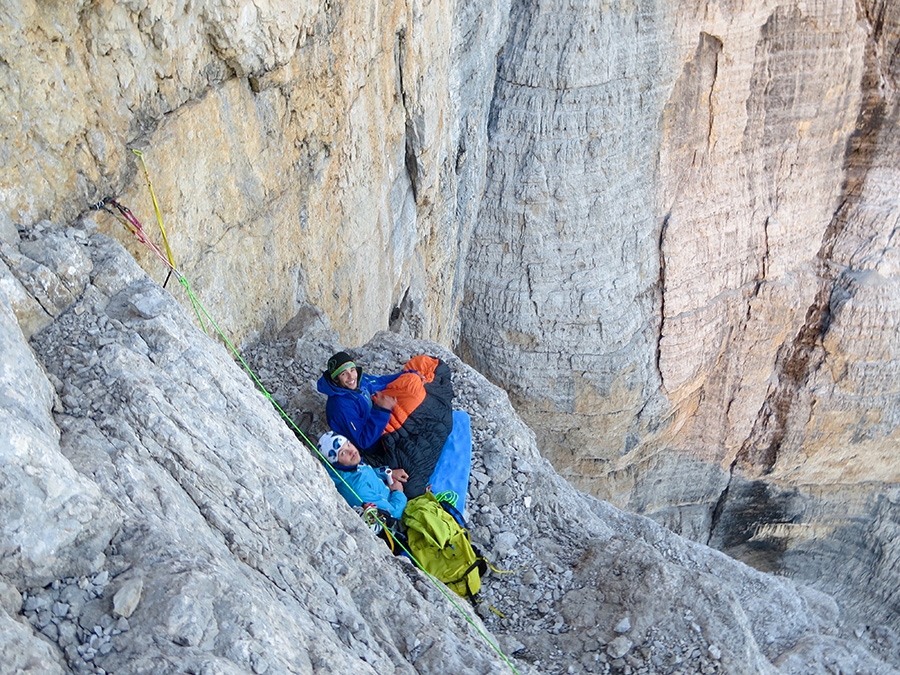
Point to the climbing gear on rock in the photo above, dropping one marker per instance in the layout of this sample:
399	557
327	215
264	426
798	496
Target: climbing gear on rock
124	215
133	225
162	229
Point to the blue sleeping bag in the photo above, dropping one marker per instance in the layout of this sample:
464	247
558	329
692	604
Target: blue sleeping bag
451	473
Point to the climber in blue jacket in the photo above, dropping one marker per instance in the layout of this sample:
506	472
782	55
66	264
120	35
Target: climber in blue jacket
361	483
357	406
401	420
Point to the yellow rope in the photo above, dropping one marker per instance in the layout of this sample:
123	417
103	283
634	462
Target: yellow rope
201	311
155	206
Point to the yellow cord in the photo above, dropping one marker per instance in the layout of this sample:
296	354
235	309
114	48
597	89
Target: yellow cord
202	312
155	207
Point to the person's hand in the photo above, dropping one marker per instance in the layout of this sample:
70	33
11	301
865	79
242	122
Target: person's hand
382	400
399	475
396	486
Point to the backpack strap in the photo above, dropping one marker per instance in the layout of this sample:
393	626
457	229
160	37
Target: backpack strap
450	508
480	564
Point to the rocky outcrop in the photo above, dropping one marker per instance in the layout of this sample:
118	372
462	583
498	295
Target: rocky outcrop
225	547
54	521
165	491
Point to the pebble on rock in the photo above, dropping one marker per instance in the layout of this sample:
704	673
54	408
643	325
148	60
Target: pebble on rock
619	647
127	597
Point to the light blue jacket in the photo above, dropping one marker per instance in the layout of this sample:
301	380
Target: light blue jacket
364	485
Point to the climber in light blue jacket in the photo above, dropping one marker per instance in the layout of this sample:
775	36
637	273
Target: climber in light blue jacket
361	483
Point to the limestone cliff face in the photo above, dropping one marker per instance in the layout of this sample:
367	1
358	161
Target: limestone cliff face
827	433
684	269
331	153
685	273
563	285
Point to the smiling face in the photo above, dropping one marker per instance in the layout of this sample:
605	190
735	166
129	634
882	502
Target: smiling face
349	378
348	455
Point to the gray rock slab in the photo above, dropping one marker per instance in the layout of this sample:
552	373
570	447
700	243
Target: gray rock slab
21	651
53	521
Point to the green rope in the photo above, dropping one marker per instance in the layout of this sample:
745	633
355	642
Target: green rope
199	308
195	303
448	496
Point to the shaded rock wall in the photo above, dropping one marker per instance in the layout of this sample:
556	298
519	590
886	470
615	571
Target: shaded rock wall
562	293
684	269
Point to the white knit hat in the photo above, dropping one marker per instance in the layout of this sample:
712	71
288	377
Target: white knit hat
329	445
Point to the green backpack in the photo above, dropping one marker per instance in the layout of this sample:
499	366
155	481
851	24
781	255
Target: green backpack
441	545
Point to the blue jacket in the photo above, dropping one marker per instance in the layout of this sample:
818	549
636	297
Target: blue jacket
351	413
368	486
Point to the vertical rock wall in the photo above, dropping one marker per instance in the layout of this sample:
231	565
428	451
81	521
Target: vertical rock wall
562	292
332	153
747	215
684	268
824	445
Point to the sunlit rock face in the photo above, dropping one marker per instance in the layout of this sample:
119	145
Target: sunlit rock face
685	268
327	153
